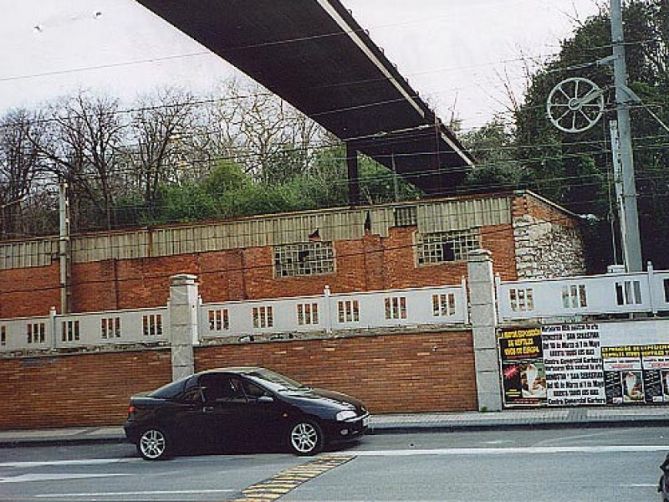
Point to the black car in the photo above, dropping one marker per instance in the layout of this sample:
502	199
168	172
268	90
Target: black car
232	407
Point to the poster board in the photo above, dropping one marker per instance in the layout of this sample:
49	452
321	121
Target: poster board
584	364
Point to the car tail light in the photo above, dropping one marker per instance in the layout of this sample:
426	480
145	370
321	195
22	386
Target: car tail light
131	410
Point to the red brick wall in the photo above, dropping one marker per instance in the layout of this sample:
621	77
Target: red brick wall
74	390
541	210
391	373
372	263
28	292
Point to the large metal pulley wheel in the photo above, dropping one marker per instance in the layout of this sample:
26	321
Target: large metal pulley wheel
575	105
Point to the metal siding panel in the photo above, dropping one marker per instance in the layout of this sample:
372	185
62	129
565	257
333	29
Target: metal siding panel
382	220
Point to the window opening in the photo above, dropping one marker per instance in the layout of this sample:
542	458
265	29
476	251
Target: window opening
628	293
70	331
152	324
443	247
348	310
303	259
574	296
521	299
443	305
263	317
396	307
219	320
110	327
307	313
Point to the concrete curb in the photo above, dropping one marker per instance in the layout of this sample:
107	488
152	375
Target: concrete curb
29	442
379	429
429	428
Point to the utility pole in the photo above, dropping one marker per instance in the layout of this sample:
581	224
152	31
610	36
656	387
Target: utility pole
630	215
64	247
618	184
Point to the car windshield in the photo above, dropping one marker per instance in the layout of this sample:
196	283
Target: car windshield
276	381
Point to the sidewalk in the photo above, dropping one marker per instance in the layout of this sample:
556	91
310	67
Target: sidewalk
401	423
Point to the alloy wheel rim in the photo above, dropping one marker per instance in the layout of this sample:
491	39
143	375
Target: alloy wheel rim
152	443
304	437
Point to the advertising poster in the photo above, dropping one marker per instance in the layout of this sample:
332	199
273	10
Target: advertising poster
623	372
523	371
655	365
573	364
567	365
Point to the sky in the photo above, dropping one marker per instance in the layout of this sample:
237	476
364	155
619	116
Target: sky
456	53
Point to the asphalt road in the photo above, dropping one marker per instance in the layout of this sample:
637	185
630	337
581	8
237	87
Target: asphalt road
616	464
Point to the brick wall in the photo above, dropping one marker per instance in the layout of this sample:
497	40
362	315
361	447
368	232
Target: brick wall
371	263
28	292
77	389
391	373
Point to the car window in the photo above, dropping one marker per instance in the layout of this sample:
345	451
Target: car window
253	391
171	390
191	395
222	388
275	381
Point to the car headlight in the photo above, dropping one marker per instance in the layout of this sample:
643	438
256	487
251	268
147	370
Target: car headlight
345	415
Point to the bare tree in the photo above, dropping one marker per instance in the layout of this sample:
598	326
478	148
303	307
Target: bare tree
249	125
158	141
82	144
19	164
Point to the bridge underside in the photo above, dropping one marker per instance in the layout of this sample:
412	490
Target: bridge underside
314	55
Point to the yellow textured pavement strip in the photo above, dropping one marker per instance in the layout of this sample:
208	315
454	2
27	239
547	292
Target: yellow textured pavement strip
286	481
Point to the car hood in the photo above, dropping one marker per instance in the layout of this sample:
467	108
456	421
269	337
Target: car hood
323	397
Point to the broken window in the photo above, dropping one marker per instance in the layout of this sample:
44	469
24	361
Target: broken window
306	258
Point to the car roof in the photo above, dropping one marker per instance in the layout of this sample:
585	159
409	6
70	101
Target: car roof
240	370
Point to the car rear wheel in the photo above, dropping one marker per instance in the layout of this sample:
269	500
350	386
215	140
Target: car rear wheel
154	444
305	438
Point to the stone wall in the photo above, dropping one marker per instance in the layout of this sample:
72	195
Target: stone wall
547	249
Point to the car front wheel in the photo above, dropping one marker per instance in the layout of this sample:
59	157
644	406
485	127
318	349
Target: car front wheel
305	438
153	444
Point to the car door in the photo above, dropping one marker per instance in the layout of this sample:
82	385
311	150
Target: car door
191	421
225	406
264	414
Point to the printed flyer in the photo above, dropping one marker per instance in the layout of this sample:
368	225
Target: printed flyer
566	365
573	361
655	365
623	374
523	371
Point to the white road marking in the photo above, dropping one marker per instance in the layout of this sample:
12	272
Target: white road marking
506	451
641	485
549	442
91	461
29	478
127	494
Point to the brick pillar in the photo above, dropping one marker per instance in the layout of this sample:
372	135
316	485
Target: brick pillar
483	315
183	315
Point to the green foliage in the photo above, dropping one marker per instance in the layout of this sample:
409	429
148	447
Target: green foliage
225	176
183	203
575	169
493	147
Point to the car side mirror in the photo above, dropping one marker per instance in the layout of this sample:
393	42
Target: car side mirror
265	399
